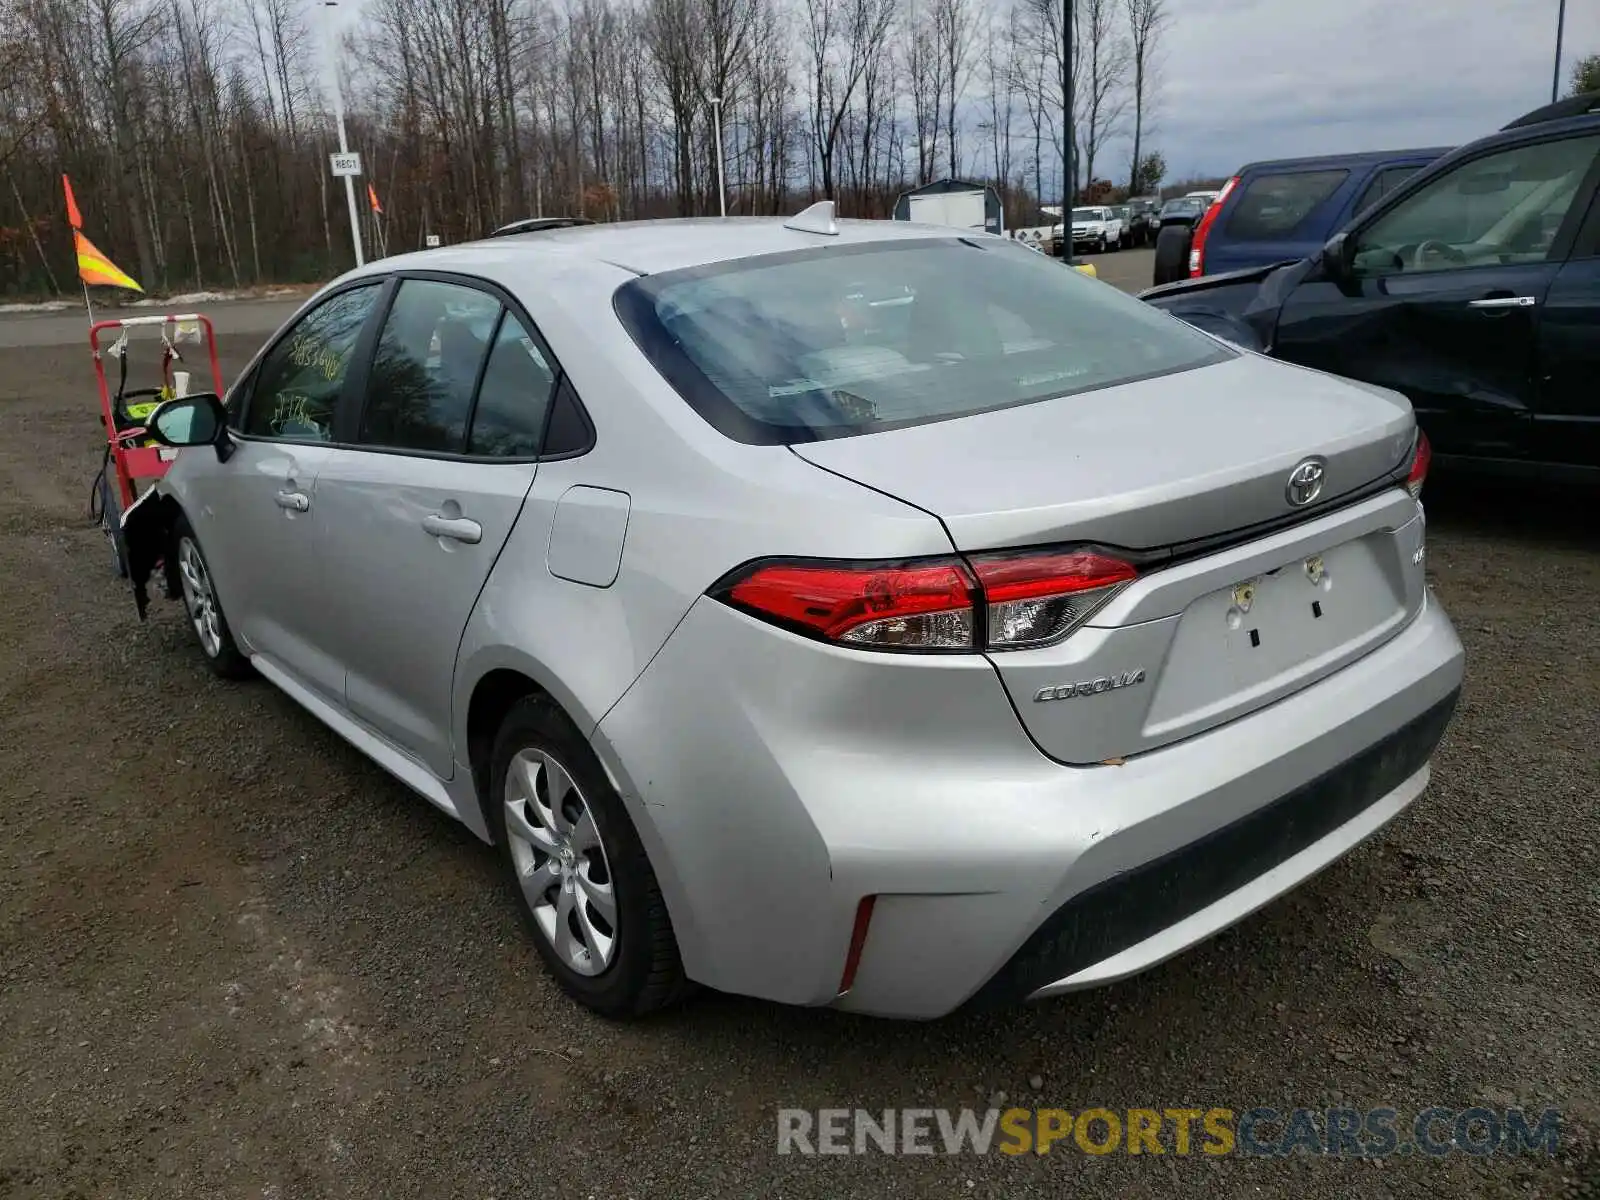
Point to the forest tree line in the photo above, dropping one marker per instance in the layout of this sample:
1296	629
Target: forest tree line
197	132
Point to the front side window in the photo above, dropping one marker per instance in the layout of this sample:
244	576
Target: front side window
419	395
298	384
1273	206
854	339
1502	208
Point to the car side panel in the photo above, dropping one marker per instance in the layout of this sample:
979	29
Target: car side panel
698	505
1567	412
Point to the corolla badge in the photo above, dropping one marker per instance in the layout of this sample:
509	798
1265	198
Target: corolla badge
1305	482
1089	687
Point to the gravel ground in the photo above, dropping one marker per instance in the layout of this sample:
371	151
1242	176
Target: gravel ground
238	960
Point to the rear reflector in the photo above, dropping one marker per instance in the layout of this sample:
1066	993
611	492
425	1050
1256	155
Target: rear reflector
1197	247
1007	601
858	942
1419	466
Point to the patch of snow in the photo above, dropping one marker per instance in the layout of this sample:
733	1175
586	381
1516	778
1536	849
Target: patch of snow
185	299
37	306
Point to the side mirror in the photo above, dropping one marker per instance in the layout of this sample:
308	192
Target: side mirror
1338	258
197	420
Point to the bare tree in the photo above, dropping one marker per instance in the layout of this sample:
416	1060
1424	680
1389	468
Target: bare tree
841	36
1104	69
953	29
1146	20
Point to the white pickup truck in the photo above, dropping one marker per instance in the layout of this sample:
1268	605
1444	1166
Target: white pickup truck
1097	228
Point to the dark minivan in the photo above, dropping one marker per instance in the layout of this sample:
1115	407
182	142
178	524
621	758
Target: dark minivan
1276	211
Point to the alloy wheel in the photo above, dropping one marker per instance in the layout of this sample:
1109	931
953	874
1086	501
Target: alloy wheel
199	597
560	861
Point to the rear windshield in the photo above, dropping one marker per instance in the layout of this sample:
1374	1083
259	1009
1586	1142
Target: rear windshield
859	338
1273	206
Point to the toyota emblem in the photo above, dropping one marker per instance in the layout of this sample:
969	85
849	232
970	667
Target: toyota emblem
1305	482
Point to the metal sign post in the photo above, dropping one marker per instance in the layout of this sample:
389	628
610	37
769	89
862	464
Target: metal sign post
344	163
722	186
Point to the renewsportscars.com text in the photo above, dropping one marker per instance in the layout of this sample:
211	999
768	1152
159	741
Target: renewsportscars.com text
1261	1131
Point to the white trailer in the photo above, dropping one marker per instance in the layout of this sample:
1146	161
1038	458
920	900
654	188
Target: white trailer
955	204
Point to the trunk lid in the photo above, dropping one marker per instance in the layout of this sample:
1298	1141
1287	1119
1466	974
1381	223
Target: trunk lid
1200	637
1140	465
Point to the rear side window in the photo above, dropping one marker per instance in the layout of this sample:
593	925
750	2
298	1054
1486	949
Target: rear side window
419	395
859	338
1273	206
515	396
1384	182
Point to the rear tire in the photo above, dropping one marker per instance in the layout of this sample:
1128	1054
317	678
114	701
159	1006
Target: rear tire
577	869
1172	253
188	566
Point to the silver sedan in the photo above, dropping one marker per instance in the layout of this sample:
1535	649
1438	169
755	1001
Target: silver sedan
842	613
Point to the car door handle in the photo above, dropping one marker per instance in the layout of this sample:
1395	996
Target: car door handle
298	501
456	528
1504	302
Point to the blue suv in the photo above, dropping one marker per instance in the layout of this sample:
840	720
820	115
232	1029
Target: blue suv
1276	211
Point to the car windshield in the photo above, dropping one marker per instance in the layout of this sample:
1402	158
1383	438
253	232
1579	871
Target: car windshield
1177	208
860	338
1088	214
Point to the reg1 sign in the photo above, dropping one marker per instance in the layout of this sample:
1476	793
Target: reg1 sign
345	164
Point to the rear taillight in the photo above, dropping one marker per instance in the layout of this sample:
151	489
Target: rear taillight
1419	466
1036	599
1008	601
924	605
1197	247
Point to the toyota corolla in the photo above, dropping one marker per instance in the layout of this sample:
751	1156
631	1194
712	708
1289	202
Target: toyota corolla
842	613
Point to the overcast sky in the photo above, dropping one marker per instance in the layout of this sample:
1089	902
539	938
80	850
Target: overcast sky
1249	79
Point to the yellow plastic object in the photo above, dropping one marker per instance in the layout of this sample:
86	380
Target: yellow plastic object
1087	269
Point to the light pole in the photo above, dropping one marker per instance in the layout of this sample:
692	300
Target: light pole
716	124
1555	78
1067	155
344	145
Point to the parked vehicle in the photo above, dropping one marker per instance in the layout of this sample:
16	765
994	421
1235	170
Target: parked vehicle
1143	221
1174	230
1097	228
684	586
1473	288
1274	211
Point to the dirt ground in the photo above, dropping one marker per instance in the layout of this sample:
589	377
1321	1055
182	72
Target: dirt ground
236	960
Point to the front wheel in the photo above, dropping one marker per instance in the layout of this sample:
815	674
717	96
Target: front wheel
581	877
201	604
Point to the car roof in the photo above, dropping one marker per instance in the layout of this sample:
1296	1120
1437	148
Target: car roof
1326	161
652	247
1583	104
1520	132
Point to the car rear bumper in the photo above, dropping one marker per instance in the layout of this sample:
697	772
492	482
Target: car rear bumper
777	782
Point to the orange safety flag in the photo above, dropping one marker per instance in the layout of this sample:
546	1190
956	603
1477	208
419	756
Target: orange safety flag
74	217
95	267
372	199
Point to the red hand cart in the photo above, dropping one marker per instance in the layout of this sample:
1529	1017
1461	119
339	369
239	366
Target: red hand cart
133	460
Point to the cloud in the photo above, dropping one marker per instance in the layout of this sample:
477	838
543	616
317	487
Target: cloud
1250	79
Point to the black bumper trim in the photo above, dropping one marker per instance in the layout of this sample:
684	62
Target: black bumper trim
1128	908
